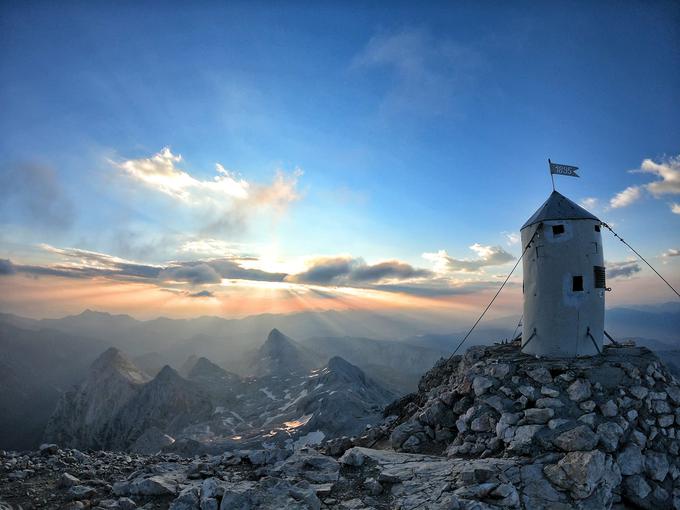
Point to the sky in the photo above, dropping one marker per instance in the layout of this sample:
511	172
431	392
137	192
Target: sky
255	157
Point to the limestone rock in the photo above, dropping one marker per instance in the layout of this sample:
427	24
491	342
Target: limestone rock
68	480
538	416
480	384
309	465
581	472
578	438
639	392
187	500
609	409
153	486
656	465
549	402
540	375
523	437
550	392
269	494
81	491
579	390
402	432
637	487
610	433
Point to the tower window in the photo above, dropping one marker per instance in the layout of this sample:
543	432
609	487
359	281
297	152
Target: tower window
597	228
600	280
577	283
558	230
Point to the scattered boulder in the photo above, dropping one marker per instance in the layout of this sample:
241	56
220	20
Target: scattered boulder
579	390
656	465
579	438
81	491
67	480
538	416
609	433
578	472
540	375
481	384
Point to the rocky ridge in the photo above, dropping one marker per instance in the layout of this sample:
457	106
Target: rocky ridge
491	429
589	432
212	410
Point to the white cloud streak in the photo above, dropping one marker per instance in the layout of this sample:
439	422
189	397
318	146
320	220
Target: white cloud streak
487	256
512	238
589	203
626	197
668	183
668	173
227	197
624	269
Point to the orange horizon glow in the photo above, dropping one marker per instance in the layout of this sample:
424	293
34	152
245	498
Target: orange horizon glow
53	297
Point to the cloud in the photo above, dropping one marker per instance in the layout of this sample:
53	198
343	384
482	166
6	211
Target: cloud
351	271
439	287
668	183
201	294
513	238
227	200
34	194
622	269
668	172
487	256
626	197
81	263
195	274
390	276
102	263
232	270
671	252
589	203
214	247
6	267
161	173
426	72
390	270
185	278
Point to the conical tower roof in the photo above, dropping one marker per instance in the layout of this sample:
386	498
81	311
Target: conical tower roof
559	207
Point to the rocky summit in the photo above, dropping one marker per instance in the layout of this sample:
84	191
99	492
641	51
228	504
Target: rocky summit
491	429
281	355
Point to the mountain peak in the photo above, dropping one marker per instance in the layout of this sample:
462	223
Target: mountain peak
110	355
167	374
278	345
280	354
113	360
188	365
338	363
345	369
92	313
205	367
275	336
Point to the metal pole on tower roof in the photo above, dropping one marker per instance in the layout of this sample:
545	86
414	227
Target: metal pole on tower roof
552	178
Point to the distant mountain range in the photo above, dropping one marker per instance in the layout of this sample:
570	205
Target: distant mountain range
287	399
42	359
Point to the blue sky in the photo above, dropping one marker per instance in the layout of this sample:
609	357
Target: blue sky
396	131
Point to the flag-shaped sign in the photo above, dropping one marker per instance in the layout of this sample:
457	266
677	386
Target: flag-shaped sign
556	168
